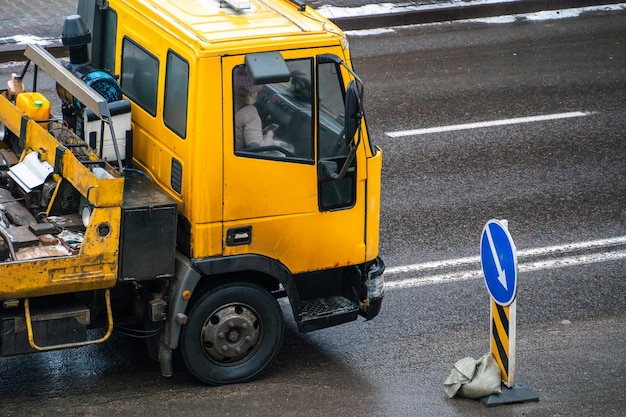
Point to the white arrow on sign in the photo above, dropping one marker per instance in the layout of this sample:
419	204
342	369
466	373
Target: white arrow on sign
501	272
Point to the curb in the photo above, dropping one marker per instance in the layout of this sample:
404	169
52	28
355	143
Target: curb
459	12
15	51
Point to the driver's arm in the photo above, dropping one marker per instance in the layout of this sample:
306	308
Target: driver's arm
252	129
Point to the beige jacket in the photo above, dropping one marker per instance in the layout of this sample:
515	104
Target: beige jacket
248	129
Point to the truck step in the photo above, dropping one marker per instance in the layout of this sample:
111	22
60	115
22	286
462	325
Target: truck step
326	312
55	320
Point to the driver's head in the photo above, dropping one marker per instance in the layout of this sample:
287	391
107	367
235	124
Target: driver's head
244	87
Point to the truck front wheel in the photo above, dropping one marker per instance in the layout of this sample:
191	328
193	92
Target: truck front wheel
232	334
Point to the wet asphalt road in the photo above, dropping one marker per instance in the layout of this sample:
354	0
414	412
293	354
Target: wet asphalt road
557	182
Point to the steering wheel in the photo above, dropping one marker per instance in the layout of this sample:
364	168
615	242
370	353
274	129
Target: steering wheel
260	149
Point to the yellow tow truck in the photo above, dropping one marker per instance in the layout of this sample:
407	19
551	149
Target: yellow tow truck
210	158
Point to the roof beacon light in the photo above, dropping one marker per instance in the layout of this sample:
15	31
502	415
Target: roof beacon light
237	5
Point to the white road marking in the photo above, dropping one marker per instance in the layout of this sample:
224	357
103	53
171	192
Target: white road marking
478	125
557	261
544	251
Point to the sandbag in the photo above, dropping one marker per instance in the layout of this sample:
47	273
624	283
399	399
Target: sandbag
472	378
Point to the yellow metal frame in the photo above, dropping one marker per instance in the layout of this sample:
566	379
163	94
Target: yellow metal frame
96	264
31	336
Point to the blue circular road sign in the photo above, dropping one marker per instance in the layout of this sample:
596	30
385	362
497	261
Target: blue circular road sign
499	262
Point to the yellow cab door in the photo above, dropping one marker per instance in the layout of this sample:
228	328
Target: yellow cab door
284	143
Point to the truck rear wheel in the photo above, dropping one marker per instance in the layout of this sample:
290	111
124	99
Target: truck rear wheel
232	334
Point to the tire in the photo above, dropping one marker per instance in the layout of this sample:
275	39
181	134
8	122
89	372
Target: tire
233	334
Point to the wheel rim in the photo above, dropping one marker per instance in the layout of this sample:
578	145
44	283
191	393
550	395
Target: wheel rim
231	334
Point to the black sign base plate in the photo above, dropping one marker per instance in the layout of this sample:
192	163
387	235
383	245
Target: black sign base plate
519	393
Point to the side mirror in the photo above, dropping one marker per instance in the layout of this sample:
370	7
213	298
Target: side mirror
267	68
353	112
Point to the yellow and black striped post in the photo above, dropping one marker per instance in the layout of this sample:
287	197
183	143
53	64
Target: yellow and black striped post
499	261
503	339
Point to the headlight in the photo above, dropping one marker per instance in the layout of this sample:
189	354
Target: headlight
375	281
375	287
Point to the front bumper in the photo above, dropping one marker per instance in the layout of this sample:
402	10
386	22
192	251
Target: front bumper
373	289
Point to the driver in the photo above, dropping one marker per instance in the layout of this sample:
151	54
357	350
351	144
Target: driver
248	126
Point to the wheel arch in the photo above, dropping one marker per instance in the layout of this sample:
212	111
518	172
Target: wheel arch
255	269
201	275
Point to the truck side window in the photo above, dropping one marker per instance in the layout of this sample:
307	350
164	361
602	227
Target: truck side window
331	101
109	33
275	120
176	91
140	73
334	194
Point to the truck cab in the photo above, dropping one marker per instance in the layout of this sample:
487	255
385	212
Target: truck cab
248	173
